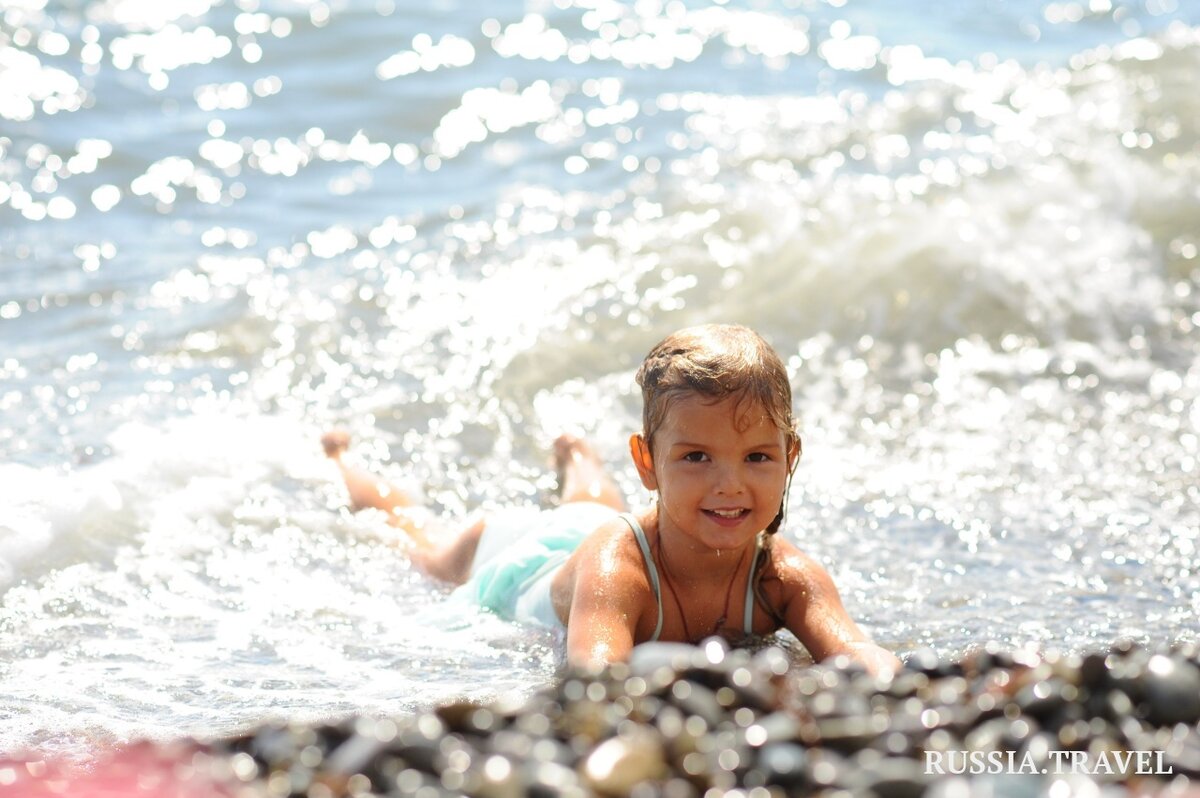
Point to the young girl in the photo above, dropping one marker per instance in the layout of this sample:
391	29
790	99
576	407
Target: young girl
718	446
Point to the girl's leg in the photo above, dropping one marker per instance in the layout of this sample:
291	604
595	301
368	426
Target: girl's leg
450	561
581	477
366	490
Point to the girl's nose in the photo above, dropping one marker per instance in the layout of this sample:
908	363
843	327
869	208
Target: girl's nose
729	480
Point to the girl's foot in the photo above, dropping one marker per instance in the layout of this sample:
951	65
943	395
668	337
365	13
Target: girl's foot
581	474
335	442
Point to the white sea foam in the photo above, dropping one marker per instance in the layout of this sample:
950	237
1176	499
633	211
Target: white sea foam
191	592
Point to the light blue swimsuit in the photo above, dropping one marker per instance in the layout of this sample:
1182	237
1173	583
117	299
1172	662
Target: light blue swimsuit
521	550
519	553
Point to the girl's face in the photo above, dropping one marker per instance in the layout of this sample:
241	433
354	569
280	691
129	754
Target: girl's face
720	474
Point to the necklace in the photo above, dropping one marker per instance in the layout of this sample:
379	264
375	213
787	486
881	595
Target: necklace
675	595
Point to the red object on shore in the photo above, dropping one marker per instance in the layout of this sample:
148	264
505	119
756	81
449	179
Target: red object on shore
141	771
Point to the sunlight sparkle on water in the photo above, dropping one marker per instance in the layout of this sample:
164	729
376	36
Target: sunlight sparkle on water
164	177
147	15
25	83
487	110
846	52
168	48
633	41
449	51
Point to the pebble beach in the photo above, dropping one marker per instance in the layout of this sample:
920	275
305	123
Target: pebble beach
681	722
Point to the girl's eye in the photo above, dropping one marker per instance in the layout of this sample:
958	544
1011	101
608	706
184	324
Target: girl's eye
759	457
695	457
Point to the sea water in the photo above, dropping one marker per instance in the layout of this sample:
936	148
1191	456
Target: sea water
454	229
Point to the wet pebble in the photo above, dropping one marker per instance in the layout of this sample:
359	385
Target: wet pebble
1172	690
783	764
619	763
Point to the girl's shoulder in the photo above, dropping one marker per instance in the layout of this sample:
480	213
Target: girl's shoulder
612	549
606	576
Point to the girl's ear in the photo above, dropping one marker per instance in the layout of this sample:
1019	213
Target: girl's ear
794	450
639	449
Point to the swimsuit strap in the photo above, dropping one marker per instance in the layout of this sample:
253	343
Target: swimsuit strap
748	617
651	570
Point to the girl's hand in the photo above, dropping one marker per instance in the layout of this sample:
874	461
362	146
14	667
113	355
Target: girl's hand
877	660
814	613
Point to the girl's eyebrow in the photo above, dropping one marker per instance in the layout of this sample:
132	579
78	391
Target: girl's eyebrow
691	445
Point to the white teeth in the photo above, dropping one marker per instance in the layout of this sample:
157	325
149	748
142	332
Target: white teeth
726	513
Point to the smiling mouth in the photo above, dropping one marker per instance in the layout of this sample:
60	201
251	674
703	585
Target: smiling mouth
728	515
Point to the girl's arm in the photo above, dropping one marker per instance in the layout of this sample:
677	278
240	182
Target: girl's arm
606	603
816	616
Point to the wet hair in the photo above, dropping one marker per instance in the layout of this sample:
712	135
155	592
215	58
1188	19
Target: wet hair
720	361
717	362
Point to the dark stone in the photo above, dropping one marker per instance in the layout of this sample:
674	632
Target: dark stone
1093	672
850	733
468	717
1172	690
1041	699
